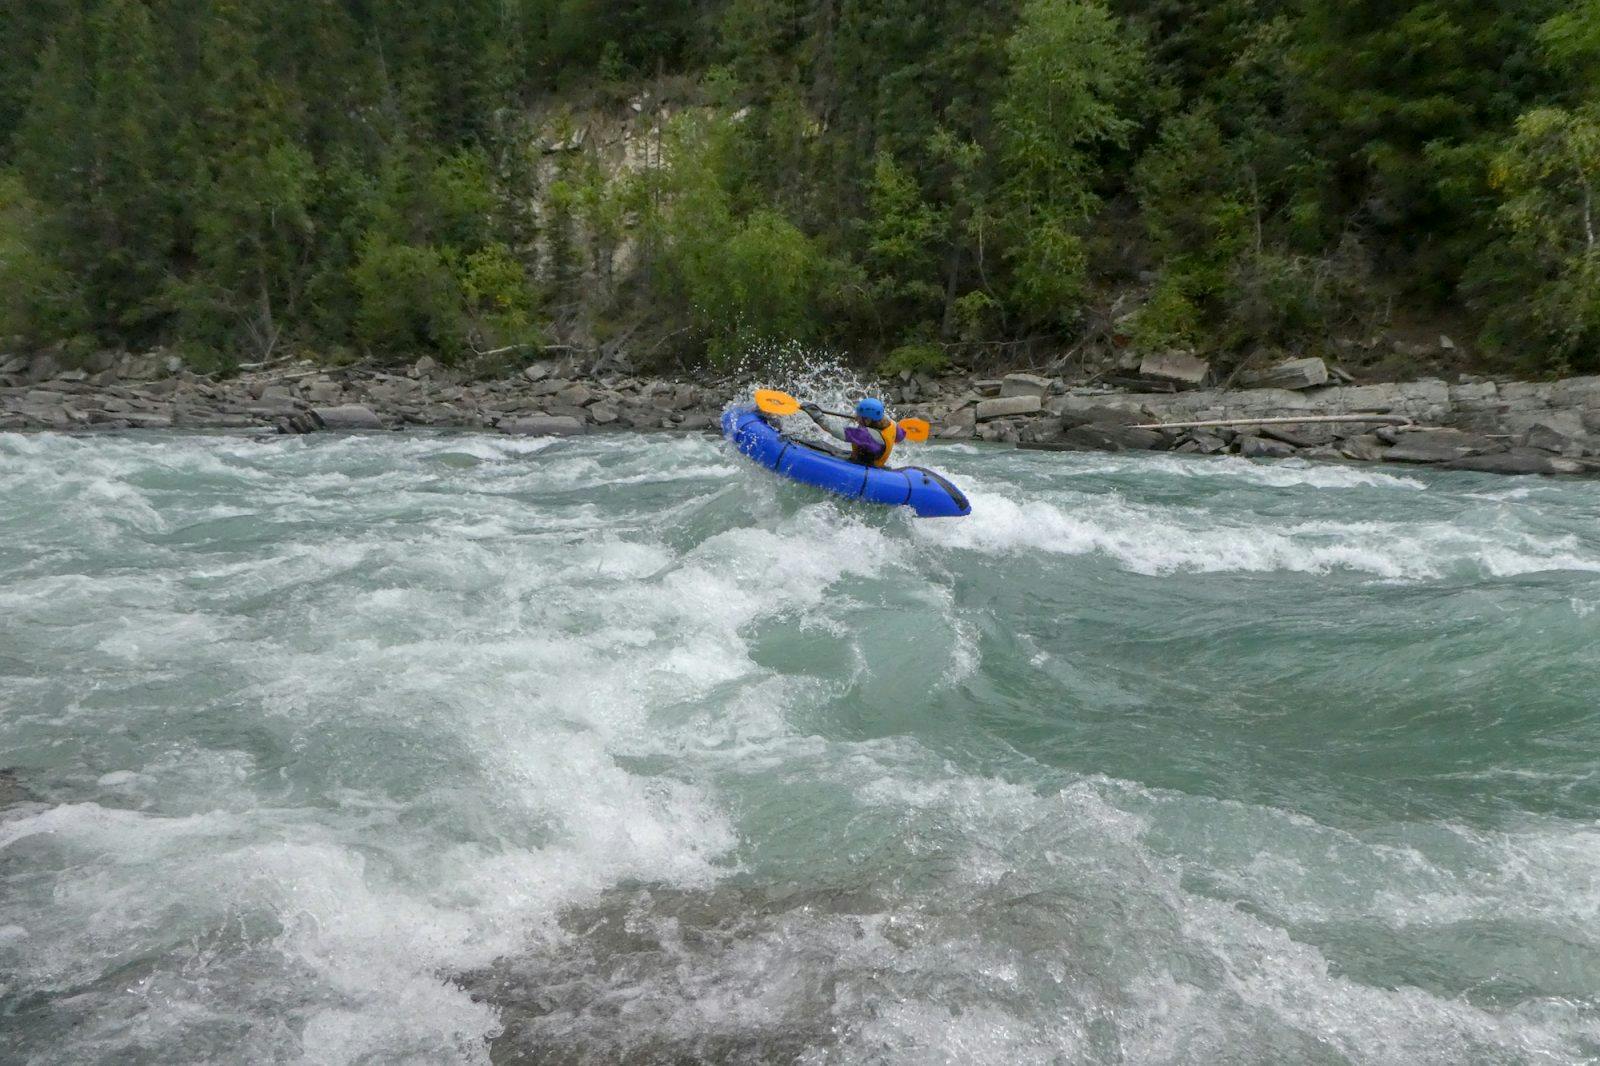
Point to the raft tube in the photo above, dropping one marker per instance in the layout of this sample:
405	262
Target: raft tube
925	492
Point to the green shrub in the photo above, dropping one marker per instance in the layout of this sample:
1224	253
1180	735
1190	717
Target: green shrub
407	300
917	358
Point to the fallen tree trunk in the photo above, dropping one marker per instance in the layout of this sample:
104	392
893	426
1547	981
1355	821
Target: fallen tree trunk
1393	420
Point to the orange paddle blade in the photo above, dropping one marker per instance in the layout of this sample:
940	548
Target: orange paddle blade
916	429
773	402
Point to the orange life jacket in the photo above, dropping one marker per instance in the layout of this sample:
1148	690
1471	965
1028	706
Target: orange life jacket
890	432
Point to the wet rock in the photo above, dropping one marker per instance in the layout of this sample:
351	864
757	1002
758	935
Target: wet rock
1262	448
1025	385
1517	461
1183	368
1104	436
301	422
1041	429
544	426
1365	448
346	417
602	414
1008	406
1308	373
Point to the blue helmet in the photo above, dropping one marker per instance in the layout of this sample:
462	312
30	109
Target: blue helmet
870	409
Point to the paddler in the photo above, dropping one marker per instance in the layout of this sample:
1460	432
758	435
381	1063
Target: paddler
871	439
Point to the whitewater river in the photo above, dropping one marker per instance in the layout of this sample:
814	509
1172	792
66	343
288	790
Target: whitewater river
436	749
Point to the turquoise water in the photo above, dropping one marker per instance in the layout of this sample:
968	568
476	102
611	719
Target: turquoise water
463	749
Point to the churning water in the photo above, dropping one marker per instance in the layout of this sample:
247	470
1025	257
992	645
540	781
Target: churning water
465	749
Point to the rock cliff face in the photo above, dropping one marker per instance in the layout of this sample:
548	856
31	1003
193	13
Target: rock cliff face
1502	427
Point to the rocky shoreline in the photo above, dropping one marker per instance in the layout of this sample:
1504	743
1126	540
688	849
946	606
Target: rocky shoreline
1500	427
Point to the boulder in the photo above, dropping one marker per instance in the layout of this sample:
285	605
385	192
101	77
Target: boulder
1548	438
1441	446
1262	448
347	416
696	422
1183	368
1365	448
1106	437
1025	385
1007	406
1517	461
146	420
574	395
323	392
1106	416
1040	429
537	371
1308	373
544	426
425	367
602	414
961	416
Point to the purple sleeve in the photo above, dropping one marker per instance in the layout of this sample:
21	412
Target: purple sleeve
864	439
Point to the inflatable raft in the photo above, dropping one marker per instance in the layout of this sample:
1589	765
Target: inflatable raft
925	492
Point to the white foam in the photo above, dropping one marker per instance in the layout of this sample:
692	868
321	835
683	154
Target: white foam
1151	540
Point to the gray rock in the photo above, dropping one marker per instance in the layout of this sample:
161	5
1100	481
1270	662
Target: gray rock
42	367
323	392
968	415
1105	416
1006	406
1362	449
1039	429
1025	385
1517	461
1185	368
1442	446
348	416
146	420
544	426
1308	373
1262	448
1113	438
425	367
575	395
1546	437
602	414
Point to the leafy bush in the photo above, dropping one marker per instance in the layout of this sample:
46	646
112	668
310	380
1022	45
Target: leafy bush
917	358
407	299
39	299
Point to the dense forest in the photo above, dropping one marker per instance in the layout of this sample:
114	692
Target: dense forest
908	180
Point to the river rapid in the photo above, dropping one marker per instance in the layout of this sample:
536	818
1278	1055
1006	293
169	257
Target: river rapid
461	748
